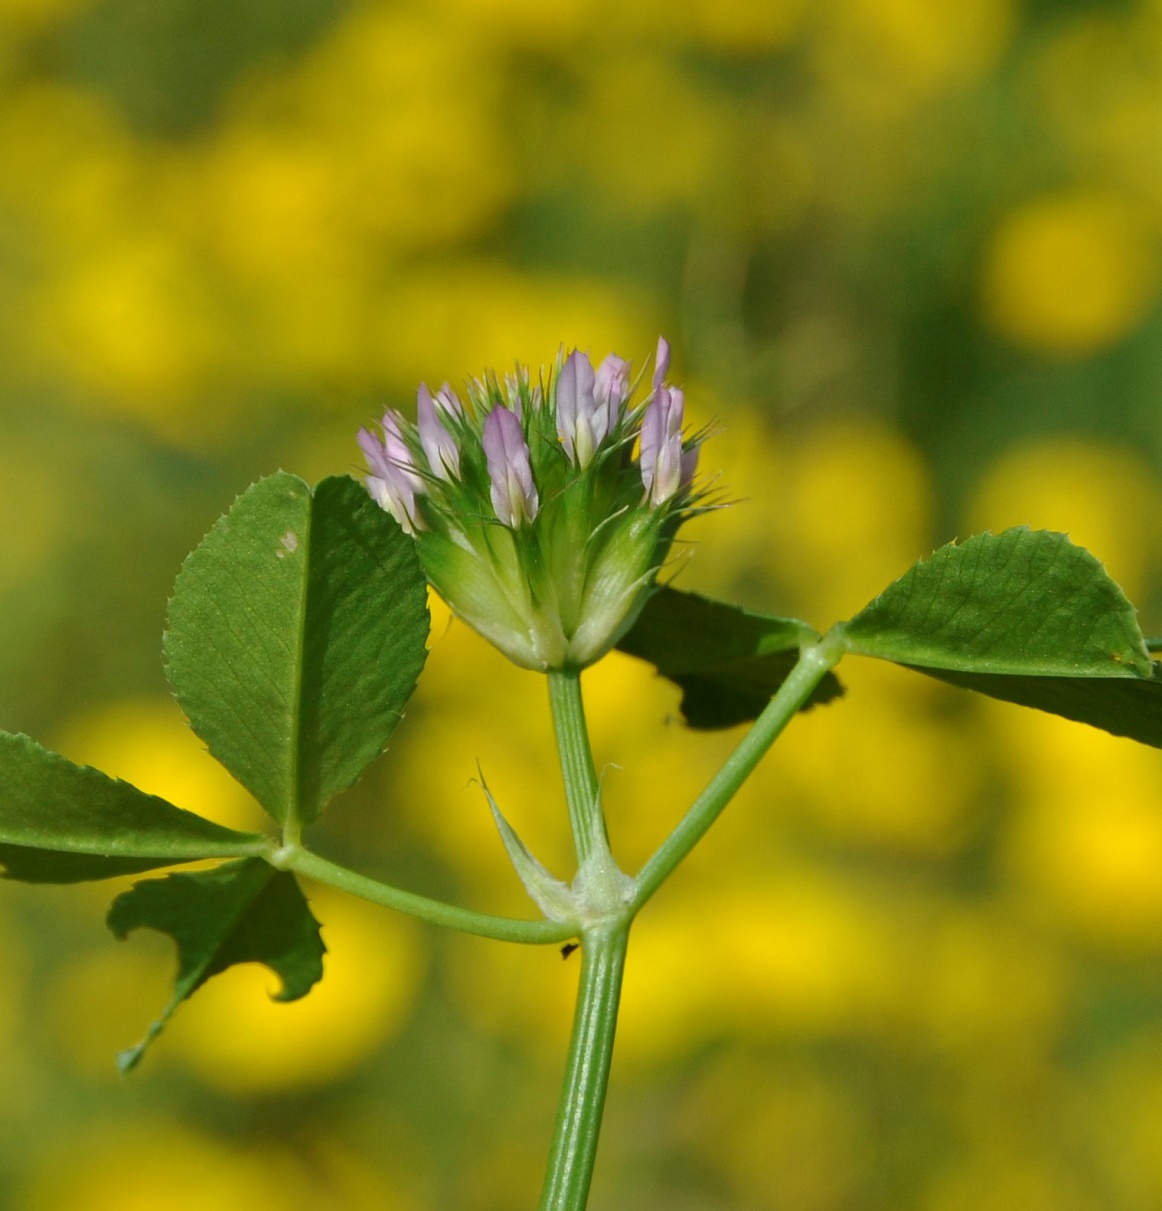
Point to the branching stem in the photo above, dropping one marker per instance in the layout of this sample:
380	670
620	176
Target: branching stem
814	664
604	940
435	912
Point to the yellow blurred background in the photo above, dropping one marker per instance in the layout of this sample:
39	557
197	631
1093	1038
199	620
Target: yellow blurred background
907	252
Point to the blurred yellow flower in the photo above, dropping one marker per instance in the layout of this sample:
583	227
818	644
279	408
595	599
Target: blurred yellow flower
70	167
981	980
36	519
34	15
890	54
1085	845
1070	274
739	27
139	1165
648	136
438	775
525	22
444	324
781	1132
146	741
1007	1182
1107	499
19	1063
652	767
1099	84
793	953
832	520
134	326
171	1167
886	767
272	204
1126	1097
385	130
523	993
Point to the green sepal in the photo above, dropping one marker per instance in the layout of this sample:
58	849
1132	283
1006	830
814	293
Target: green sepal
240	912
728	662
295	637
65	823
1024	616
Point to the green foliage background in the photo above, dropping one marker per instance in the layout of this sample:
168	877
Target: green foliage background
907	254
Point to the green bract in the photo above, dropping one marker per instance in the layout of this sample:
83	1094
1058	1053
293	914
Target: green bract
542	513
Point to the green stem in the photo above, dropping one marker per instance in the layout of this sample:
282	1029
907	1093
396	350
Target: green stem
581	789
604	940
570	1168
435	912
814	664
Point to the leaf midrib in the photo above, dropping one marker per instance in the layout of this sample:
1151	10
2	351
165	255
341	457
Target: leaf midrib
293	823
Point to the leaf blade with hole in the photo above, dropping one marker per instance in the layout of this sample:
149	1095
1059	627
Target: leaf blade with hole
240	912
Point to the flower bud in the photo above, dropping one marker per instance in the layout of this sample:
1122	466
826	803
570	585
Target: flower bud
439	445
576	409
511	477
611	389
393	481
661	445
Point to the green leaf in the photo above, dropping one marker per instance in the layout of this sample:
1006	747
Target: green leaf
64	823
1124	706
728	661
296	634
241	912
1024	616
1022	602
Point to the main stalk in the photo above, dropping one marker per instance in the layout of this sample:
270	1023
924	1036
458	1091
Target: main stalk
582	1103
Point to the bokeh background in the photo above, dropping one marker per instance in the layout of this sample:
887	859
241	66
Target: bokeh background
907	252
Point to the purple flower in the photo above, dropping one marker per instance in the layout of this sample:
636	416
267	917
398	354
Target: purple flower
394	481
588	404
514	496
575	408
611	390
665	467
439	445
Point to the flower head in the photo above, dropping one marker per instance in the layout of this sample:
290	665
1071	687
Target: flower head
534	520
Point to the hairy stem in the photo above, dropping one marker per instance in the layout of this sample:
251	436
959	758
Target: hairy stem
570	1168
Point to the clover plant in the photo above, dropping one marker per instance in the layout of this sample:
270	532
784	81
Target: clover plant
543	513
